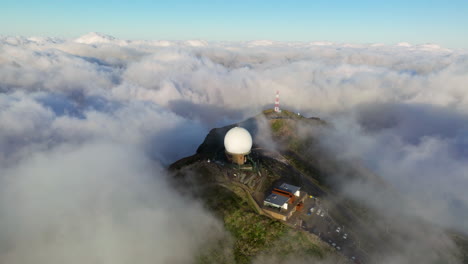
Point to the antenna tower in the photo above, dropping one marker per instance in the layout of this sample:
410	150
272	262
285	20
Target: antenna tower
277	108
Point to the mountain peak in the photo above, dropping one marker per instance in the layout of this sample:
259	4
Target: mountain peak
95	37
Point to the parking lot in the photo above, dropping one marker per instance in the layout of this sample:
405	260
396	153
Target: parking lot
316	220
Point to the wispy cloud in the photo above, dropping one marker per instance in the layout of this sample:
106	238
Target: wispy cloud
401	109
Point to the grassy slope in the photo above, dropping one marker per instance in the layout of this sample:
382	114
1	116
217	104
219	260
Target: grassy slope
302	154
254	234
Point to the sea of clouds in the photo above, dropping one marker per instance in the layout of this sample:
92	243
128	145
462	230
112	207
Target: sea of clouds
87	125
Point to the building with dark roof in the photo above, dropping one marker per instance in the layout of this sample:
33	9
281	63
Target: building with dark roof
290	189
283	201
276	201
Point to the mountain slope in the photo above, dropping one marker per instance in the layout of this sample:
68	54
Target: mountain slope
287	149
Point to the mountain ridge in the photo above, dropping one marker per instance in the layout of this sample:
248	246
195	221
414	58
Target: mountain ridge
281	155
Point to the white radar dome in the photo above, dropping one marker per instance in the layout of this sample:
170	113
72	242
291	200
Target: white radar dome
238	141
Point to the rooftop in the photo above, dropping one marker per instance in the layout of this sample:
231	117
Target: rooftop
277	199
289	188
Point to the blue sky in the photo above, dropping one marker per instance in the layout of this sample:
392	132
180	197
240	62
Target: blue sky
417	21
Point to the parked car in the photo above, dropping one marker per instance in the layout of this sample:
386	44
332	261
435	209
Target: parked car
338	229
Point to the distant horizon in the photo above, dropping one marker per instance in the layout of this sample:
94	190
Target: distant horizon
363	21
98	99
316	42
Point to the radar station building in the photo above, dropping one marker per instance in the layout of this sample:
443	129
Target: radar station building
237	145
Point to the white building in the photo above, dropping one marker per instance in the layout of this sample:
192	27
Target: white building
237	145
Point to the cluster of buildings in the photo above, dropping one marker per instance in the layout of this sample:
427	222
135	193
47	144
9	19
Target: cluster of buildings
284	201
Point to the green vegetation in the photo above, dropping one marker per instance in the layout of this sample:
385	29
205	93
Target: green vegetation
300	166
218	252
293	240
289	114
284	113
277	125
252	234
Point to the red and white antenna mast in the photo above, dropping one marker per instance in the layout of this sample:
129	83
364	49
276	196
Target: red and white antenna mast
277	109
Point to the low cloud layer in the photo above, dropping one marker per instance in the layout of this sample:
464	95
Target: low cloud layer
401	109
419	149
98	203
